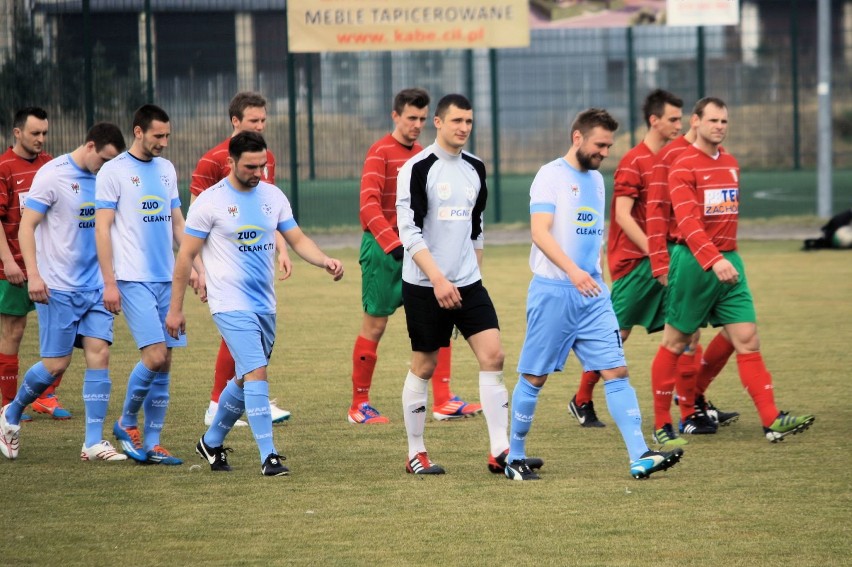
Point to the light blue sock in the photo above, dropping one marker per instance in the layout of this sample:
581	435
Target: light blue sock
524	400
231	406
624	409
156	405
36	381
96	388
137	389
259	418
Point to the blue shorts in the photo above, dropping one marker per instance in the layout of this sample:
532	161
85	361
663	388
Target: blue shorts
560	319
249	336
68	317
139	302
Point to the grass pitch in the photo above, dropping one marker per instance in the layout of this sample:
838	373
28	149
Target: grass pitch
735	499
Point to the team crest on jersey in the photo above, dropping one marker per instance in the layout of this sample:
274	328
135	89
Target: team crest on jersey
234	210
601	191
734	175
575	190
136	181
266	208
164	179
75	187
444	191
471	193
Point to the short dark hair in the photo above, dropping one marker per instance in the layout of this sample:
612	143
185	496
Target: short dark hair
416	97
146	114
24	113
655	104
243	100
106	134
457	100
699	107
592	118
243	142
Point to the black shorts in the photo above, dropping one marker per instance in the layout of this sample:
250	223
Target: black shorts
430	327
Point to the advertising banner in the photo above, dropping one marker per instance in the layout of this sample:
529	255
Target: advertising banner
390	25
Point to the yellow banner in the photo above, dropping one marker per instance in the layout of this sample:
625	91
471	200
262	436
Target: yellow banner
390	25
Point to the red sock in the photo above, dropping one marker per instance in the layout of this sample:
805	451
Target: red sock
587	386
663	377
685	382
758	383
714	360
8	377
441	377
52	388
363	363
226	369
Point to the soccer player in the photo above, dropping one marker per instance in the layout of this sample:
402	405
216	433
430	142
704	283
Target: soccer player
18	166
57	238
704	364
381	262
440	204
247	113
706	279
637	297
568	304
233	224
137	219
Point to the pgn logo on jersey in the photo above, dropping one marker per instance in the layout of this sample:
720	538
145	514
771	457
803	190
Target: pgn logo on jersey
75	188
234	210
136	181
152	209
87	215
444	191
248	238
587	220
721	201
454	213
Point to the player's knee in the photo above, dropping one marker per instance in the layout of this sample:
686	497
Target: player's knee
614	373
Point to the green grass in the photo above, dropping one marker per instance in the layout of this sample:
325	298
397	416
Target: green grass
734	500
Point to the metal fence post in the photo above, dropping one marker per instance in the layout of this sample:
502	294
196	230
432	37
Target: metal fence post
794	87
88	88
469	88
699	62
291	115
309	78
495	131
149	53
631	86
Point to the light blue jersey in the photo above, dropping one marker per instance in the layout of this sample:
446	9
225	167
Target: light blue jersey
65	238
576	200
143	195
239	249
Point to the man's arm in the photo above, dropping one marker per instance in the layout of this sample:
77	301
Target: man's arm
370	210
104	218
187	253
37	288
624	218
658	217
308	250
540	226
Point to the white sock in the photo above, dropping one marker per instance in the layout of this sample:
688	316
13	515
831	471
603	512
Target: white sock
494	398
414	397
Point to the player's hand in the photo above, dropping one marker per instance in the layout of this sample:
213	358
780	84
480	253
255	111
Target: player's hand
38	290
585	284
175	324
726	272
199	285
112	299
285	265
664	280
14	273
447	294
334	267
398	253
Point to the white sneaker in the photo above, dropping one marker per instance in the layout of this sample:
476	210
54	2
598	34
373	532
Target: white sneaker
278	415
9	433
211	413
102	451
